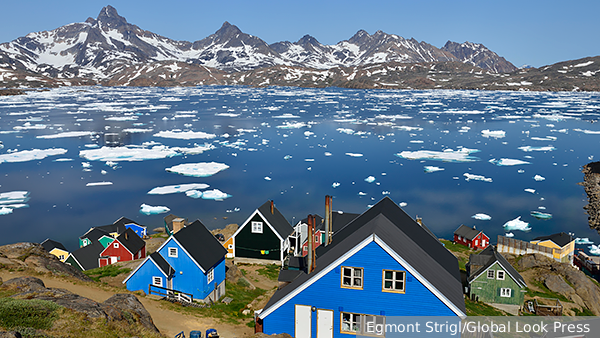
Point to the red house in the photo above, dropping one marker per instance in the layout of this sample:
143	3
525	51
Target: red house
471	237
127	247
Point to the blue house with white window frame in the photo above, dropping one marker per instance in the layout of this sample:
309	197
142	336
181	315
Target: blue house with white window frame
191	261
383	263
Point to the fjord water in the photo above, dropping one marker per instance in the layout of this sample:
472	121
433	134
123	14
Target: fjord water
295	146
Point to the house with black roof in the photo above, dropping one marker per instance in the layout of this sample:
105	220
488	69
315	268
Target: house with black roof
127	247
262	236
87	257
382	263
562	245
55	248
471	237
191	261
492	279
105	234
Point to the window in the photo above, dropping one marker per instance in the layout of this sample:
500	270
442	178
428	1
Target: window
352	277
116	245
230	246
505	292
476	242
257	227
157	281
210	276
393	280
61	257
490	274
173	252
360	324
500	275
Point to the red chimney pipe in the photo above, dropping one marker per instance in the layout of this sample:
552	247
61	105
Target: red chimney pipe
312	264
272	208
328	219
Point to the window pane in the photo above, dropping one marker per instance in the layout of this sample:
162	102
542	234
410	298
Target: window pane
347	272
357	272
387	284
399	286
347	281
357	282
388	274
399	275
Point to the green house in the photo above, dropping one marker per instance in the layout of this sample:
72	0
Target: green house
492	279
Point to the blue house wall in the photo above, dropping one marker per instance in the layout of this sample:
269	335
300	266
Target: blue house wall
327	293
143	276
138	229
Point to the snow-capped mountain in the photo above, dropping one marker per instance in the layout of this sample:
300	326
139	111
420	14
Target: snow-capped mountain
108	49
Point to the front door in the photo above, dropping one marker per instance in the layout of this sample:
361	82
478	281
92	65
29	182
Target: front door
324	323
303	321
113	260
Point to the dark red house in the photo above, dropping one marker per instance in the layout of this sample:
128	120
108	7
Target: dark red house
127	247
471	237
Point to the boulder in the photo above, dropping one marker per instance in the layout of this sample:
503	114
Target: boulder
25	284
11	334
128	303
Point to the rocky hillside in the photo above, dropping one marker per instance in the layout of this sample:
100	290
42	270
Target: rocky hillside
591	184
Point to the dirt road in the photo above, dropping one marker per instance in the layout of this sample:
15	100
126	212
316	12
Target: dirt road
168	322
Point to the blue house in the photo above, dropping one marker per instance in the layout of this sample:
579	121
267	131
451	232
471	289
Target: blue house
381	264
191	261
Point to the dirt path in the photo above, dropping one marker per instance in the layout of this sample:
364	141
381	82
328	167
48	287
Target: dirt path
168	322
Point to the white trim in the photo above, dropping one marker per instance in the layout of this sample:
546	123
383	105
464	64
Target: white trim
172	237
76	261
503	268
139	266
173	252
248	220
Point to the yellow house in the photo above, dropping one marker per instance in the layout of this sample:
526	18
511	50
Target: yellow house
228	244
56	248
562	245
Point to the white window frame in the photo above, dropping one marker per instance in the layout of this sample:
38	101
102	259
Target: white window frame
173	252
500	275
356	281
116	245
155	279
505	292
210	276
257	227
357	324
491	274
394	280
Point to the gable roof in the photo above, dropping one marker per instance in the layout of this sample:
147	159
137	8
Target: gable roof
162	264
487	258
276	219
560	239
95	233
131	241
390	227
200	244
467	232
88	255
49	244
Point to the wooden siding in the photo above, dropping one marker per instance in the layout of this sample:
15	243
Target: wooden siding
253	245
143	276
71	261
488	290
138	229
327	293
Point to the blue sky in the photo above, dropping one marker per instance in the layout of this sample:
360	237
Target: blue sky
536	32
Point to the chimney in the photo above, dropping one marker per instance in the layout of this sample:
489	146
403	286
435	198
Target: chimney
419	220
178	224
272	208
126	236
328	220
474	228
312	264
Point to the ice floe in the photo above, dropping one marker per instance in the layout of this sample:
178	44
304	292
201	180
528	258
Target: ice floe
530	148
469	177
267	178
432	169
287	157
184	135
594	250
516	224
214	194
509	235
493	133
193	193
153	210
529	190
482	217
370	179
67	134
290	125
583	240
5	211
589	132
448	155
14	197
507	162
539	178
335	184
137	130
286	116
95	184
202	169
125	153
178	188
541	215
354	155
31	155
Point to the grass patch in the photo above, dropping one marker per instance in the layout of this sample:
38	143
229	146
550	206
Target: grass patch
456	247
583	312
545	293
33	313
270	271
106	271
481	309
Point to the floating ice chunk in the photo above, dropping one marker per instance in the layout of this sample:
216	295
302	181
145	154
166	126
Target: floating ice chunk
287	157
416	141
31	155
432	169
589	132
202	169
594	249
63	160
195	150
509	234
67	134
95	184
547	138
370	179
529	190
309	160
267	178
13	197
193	193
516	224
354	155
28	125
507	162
103	172
408	128
328	153
286	116
493	133
583	240
402	204
360	193
184	135
137	130
308	133
86	165
336	184
153	210
122	118
117	154
295	125
448	155
227	114
469	177
5	211
539	178
541	215
385	192
215	194
530	148
393	117
345	131
520	171
174	189
482	217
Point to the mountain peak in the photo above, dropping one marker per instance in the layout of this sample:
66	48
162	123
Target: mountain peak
228	28
307	39
109	16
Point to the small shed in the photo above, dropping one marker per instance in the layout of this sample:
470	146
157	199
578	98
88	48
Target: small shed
471	237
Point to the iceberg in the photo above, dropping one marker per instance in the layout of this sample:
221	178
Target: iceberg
295	125
529	190
287	157
174	189
469	177
95	184
152	210
370	179
354	155
31	155
137	130
402	204
538	178
5	211
67	134
507	162
482	217
583	240
509	234
516	224
63	160
541	215
184	135
124	153
594	249
202	169
432	169
493	133
13	197
448	155
530	148
193	193
335	184
195	150
267	178
286	116
215	194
